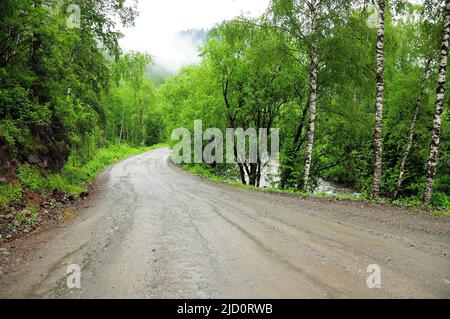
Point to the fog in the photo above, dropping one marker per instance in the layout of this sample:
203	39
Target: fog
158	29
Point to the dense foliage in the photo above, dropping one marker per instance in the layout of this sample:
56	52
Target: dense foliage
263	66
66	92
307	68
52	76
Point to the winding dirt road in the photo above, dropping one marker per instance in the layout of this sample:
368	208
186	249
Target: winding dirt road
155	231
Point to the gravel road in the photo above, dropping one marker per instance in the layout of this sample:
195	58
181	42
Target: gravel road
154	231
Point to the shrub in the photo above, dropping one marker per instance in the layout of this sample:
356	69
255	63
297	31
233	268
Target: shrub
73	179
440	200
10	194
61	182
31	178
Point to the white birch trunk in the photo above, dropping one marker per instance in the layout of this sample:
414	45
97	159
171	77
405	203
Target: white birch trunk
378	136
434	147
313	95
412	127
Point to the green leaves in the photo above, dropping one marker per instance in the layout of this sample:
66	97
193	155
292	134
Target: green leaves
52	77
252	66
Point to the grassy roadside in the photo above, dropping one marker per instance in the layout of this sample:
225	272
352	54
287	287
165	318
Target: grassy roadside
411	204
36	195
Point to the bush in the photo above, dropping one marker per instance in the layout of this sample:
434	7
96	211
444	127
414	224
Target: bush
74	177
10	194
61	182
440	200
31	178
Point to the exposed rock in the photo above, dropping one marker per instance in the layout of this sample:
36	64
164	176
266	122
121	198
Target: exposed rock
58	195
26	212
33	159
84	195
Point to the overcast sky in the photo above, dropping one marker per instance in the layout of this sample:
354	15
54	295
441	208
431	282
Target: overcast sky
159	22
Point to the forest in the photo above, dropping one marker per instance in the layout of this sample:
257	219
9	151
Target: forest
357	88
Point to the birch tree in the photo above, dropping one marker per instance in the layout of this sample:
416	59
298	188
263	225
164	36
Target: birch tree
378	136
312	93
412	127
305	21
255	80
439	106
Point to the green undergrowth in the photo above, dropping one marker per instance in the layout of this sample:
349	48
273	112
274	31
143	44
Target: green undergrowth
10	194
74	177
414	204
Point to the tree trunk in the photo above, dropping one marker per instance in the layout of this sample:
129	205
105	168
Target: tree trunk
258	175
434	147
121	126
252	176
242	174
378	136
412	127
240	165
313	96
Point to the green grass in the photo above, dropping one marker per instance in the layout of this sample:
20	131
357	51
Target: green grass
204	172
31	178
76	176
440	213
10	193
73	179
439	206
437	209
28	217
441	199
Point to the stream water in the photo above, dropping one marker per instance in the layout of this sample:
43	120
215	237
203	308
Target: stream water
270	178
330	188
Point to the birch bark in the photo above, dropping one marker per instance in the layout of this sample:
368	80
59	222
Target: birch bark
440	92
378	136
313	95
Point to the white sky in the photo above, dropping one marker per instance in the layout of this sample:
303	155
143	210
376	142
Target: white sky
160	20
